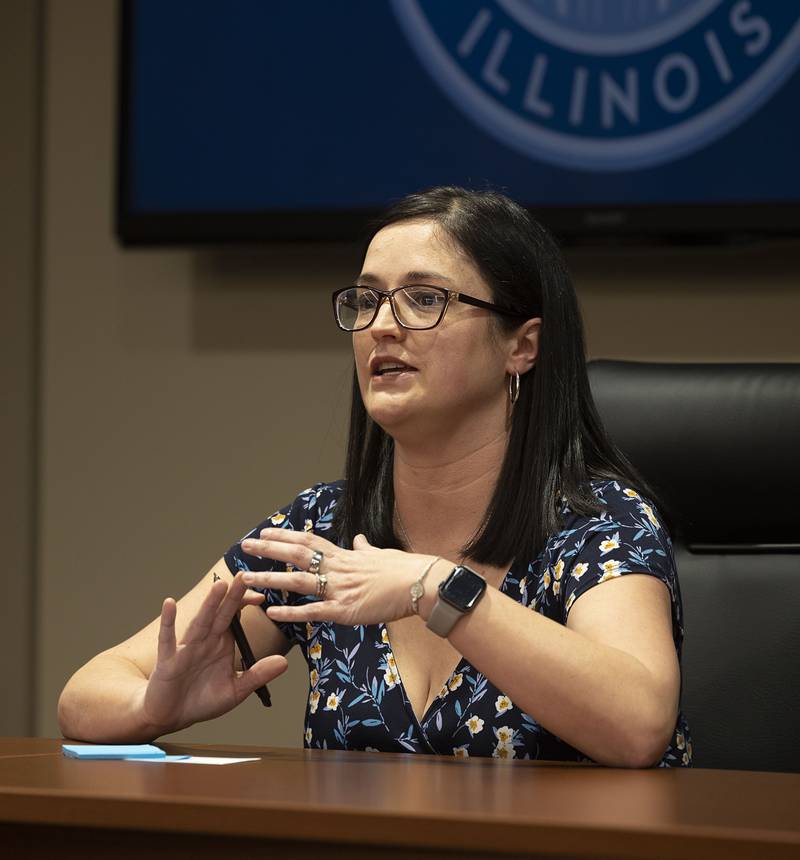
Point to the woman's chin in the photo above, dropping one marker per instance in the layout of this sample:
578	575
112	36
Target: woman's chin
390	412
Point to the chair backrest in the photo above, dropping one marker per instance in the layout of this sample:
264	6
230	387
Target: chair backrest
720	443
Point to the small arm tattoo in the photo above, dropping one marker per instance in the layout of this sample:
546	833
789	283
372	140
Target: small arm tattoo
217	577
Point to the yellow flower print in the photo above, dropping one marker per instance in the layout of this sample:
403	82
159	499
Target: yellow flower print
680	740
503	704
570	601
611	568
631	494
277	519
685	758
390	661
648	511
547	579
689	750
455	682
385	636
308	525
556	587
579	570
609	544
308	735
503	751
315	651
313	701
558	569
309	630
505	735
391	678
333	702
314	677
443	692
523	583
460	752
475	725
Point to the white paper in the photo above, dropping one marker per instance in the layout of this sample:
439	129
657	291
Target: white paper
192	759
199	759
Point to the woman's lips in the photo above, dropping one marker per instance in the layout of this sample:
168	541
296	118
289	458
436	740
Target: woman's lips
389	377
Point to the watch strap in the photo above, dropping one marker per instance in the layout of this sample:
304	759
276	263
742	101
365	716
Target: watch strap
443	617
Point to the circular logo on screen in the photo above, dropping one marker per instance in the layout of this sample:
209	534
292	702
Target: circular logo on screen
605	84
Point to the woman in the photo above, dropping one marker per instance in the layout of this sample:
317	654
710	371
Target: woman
444	594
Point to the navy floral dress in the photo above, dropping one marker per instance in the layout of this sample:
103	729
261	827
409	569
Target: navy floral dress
356	696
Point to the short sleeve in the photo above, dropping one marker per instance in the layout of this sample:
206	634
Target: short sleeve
627	536
312	510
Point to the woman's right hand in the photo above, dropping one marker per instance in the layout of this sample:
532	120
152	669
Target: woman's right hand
196	679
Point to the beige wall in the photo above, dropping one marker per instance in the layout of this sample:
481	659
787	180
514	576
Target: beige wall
19	285
185	394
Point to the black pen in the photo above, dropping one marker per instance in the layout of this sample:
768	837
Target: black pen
248	660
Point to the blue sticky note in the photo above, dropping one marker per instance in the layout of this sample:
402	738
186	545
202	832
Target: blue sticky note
112	751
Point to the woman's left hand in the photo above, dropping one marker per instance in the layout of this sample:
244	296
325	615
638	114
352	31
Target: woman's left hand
365	585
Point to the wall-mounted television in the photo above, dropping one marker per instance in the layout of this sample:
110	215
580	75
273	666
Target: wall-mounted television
245	120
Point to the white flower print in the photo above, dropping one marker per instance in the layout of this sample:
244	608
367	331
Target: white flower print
460	752
308	735
609	544
579	570
611	568
390	678
475	725
503	751
648	512
333	702
315	651
313	701
504	735
277	519
503	704
455	681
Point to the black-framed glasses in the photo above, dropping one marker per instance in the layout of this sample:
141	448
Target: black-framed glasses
417	307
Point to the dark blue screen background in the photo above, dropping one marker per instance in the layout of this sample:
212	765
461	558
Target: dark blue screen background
253	105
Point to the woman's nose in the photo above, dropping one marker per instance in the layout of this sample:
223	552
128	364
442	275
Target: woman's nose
384	322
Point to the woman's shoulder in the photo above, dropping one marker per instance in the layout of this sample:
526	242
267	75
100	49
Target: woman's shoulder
618	501
312	508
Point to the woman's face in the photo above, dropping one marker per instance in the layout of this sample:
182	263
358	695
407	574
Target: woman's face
456	371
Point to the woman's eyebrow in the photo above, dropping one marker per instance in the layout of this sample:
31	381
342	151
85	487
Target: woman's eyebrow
369	278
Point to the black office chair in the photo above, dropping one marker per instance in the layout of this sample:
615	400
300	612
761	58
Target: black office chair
721	444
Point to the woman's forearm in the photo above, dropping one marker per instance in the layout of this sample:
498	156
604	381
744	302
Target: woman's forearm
103	703
599	699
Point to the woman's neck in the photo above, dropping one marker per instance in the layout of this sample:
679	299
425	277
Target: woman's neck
441	496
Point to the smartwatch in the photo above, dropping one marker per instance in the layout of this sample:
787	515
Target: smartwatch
458	594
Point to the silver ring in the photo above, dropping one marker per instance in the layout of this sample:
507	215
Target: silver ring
322	584
316	561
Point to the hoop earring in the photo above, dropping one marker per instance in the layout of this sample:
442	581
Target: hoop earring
513	388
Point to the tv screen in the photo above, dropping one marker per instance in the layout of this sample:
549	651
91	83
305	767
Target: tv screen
252	120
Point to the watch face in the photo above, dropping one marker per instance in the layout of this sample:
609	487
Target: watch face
463	588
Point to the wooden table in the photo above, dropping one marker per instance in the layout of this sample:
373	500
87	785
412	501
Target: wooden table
297	804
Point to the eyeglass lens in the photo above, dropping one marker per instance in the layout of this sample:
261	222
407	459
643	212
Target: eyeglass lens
415	307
